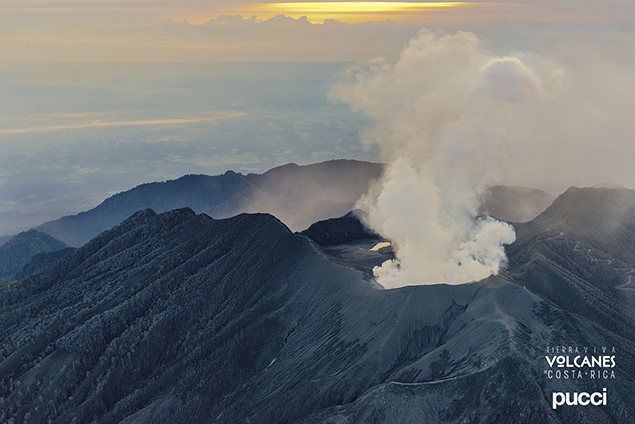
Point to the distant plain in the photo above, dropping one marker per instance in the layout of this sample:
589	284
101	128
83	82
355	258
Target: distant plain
74	134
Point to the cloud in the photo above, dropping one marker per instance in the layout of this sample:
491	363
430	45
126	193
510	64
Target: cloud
194	11
507	79
443	117
89	37
458	113
133	131
143	36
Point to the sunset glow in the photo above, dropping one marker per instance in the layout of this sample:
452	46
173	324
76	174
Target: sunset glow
103	124
353	11
356	7
349	11
198	12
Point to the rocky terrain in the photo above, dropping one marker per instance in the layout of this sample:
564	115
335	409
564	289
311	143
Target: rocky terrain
178	317
297	195
18	251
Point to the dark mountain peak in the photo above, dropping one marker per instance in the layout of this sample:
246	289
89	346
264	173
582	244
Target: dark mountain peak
342	230
298	195
336	165
578	208
580	255
259	219
138	218
154	242
147	217
335	181
19	250
179	224
181	212
278	170
177	317
282	169
198	192
187	179
582	201
29	234
348	242
36	235
603	218
515	203
143	214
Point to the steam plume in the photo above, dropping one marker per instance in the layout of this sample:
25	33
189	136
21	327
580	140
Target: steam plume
439	117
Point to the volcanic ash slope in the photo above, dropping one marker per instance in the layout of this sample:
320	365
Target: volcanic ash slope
177	317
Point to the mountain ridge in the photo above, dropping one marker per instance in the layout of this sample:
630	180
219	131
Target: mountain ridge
299	195
603	218
318	191
186	318
19	249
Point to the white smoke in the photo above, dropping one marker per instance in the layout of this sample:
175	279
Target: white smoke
440	117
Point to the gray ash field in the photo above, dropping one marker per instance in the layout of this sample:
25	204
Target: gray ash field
178	317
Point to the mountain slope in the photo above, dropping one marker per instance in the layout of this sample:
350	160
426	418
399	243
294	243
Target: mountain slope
302	195
603	218
299	195
346	241
4	239
579	254
196	191
515	203
19	250
177	317
335	231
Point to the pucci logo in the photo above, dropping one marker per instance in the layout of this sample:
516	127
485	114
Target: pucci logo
582	399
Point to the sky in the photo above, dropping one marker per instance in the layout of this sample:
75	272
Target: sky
73	134
144	30
198	12
98	96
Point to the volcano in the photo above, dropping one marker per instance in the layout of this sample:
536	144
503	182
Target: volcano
178	317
